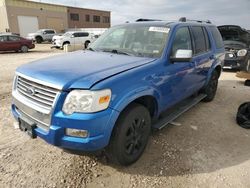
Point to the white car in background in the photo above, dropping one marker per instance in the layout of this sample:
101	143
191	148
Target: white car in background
82	38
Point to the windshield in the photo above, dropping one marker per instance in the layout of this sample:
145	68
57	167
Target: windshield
40	31
67	34
136	40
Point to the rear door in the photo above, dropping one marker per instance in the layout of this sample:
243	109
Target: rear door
76	39
203	56
83	37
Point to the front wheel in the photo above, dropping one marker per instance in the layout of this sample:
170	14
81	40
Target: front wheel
130	135
86	44
24	49
211	88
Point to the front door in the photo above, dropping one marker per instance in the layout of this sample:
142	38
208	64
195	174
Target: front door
181	74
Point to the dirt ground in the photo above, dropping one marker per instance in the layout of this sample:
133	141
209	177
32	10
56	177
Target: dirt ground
207	149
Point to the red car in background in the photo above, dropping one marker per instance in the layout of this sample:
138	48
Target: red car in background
10	42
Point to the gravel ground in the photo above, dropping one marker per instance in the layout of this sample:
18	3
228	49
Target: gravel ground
206	149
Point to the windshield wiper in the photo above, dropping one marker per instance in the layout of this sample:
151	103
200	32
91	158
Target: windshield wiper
115	51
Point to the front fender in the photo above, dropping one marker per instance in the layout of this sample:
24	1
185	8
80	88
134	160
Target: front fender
134	94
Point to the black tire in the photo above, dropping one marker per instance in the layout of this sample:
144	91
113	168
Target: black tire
39	40
65	43
86	44
130	135
24	49
211	88
247	83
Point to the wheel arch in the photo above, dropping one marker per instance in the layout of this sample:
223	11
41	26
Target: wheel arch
66	42
216	67
38	36
149	101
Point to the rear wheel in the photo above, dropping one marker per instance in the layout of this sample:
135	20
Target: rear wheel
24	49
130	135
86	44
211	88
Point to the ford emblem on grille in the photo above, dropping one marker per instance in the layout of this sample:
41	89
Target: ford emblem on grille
31	91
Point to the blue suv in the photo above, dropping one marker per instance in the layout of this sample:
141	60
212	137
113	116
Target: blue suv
111	95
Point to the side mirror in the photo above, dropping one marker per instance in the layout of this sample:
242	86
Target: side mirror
182	56
44	33
72	36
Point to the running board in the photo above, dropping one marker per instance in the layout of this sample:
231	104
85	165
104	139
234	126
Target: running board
177	110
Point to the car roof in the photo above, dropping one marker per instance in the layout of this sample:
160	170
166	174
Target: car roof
80	32
8	34
169	23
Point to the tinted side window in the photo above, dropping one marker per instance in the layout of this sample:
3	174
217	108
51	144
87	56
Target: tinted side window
13	38
3	38
49	32
217	37
199	39
83	34
76	34
208	44
182	40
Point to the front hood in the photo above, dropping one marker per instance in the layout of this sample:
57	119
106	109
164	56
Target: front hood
80	69
31	34
57	37
235	45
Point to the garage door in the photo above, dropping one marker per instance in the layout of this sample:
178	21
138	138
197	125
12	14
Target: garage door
55	23
27	24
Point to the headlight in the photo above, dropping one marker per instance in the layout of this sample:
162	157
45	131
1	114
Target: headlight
242	53
86	101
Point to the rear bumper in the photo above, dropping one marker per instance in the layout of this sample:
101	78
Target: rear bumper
32	46
99	126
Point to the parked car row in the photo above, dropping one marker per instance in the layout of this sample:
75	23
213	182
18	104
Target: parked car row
236	42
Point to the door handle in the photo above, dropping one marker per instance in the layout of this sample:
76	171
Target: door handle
211	57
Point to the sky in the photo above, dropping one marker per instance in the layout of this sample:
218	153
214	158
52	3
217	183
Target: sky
220	12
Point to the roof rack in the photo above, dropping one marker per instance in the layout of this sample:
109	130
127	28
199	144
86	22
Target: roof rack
184	19
146	20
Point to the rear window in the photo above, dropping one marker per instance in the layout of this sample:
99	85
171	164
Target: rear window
199	40
85	34
208	44
49	31
217	37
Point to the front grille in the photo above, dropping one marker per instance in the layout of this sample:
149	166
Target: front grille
41	95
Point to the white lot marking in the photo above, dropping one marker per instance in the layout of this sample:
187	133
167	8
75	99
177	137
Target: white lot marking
194	127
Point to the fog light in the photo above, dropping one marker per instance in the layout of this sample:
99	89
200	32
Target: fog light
77	133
